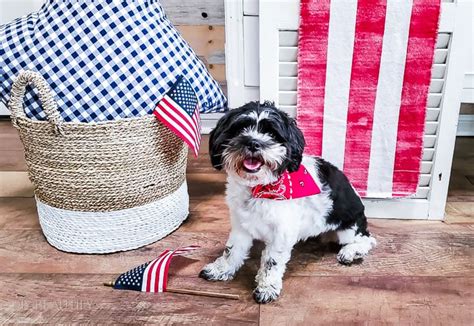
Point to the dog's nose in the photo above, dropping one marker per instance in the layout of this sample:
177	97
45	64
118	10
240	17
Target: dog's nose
254	146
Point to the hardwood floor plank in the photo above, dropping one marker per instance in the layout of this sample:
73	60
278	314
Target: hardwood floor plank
208	215
59	298
18	213
459	212
206	185
409	253
12	160
378	300
10	139
37	256
427	254
15	184
209	212
415	226
201	164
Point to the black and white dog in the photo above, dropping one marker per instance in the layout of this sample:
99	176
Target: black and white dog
256	144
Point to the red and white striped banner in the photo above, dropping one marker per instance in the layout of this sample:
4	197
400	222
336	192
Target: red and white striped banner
364	69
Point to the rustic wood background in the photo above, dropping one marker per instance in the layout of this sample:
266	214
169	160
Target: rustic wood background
201	23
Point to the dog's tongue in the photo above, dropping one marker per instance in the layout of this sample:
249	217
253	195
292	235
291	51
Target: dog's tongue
252	163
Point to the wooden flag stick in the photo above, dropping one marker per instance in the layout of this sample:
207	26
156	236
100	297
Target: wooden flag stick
205	293
194	292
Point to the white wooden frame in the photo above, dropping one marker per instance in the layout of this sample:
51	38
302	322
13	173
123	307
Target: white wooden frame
276	15
455	18
236	49
237	93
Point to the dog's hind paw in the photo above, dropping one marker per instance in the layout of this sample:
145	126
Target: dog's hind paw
265	294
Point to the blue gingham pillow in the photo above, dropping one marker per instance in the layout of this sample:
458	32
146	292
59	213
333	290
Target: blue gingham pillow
104	59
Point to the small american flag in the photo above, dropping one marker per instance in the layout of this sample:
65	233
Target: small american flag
179	111
151	276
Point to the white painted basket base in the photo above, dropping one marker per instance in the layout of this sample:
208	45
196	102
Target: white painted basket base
105	232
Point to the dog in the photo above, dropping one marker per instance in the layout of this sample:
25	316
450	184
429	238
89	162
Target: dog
257	145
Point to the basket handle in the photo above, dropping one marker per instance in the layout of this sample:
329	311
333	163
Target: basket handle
18	91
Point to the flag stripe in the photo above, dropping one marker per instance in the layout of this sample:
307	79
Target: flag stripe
312	78
154	279
148	275
151	276
183	250
164	118
388	98
338	77
166	268
164	264
192	126
160	272
197	122
158	277
179	111
369	30
175	120
167	119
197	128
183	119
421	43
149	272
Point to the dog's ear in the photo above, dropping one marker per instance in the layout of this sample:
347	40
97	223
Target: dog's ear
217	139
295	147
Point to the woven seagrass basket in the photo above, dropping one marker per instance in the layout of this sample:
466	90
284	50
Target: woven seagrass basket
101	187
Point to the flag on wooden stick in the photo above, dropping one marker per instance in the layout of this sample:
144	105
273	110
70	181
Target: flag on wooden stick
179	111
153	277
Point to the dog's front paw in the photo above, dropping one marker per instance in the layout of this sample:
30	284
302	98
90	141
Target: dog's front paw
356	251
216	271
348	255
266	294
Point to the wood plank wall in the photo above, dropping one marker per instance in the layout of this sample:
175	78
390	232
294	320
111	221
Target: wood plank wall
201	23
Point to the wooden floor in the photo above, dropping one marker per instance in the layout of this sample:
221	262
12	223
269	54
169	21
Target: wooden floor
420	273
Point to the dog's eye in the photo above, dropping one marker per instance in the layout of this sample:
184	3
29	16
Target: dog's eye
271	129
237	127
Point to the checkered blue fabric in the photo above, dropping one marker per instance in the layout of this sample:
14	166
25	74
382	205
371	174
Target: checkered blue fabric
104	59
